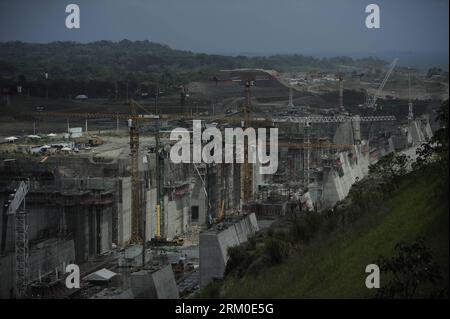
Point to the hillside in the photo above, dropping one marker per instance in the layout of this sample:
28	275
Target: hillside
332	265
102	67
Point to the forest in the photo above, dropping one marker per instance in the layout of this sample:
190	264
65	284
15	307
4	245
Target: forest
104	69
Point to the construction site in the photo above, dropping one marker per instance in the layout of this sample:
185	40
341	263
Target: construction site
94	185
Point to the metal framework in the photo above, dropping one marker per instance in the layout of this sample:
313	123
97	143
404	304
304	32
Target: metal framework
247	188
341	93
136	237
291	98
374	98
334	119
17	207
22	253
410	105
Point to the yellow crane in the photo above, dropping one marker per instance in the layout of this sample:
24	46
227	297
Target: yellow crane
134	120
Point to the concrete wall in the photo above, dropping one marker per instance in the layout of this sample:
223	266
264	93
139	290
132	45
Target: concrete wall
7	277
214	246
45	257
124	226
159	284
176	215
337	184
150	213
198	198
105	229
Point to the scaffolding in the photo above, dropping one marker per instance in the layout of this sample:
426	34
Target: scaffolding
21	250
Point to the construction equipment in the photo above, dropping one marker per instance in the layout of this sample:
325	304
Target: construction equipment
95	140
410	105
176	241
332	119
133	120
133	125
16	207
291	98
373	99
247	168
341	92
309	120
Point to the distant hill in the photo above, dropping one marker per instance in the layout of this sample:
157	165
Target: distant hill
100	67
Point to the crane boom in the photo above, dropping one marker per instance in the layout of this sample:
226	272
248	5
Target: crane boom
133	125
377	94
333	119
18	198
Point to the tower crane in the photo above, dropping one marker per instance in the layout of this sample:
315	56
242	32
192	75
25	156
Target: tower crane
134	119
373	99
341	93
410	105
16	207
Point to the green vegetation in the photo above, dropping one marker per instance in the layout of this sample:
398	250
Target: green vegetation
395	219
100	68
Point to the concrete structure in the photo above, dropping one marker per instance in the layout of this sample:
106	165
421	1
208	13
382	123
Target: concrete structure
419	131
159	284
350	167
214	244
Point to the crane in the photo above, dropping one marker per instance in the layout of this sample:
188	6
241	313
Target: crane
16	207
373	99
248	78
247	168
332	119
309	120
341	92
410	105
133	125
133	119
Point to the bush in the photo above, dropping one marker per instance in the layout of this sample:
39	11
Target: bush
237	256
251	245
275	250
411	269
305	228
211	291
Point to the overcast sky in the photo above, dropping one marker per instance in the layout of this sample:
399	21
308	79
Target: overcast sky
325	27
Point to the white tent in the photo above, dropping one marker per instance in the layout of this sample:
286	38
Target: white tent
34	136
11	138
51	135
100	275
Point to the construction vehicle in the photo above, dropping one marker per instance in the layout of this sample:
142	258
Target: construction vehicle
94	140
160	241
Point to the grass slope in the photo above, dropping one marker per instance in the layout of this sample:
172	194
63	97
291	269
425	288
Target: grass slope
335	268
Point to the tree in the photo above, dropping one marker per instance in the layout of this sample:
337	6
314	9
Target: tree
390	168
433	155
410	270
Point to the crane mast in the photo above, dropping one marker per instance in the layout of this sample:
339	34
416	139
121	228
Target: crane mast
133	125
374	98
247	168
410	105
